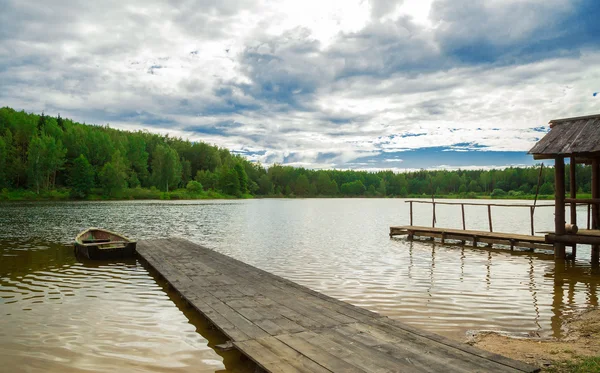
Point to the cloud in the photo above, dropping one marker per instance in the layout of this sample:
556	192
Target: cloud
320	84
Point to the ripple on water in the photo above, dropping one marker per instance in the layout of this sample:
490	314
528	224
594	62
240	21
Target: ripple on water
73	318
337	246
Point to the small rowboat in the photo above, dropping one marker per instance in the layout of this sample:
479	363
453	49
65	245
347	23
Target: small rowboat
96	243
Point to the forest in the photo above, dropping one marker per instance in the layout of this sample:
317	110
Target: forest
45	157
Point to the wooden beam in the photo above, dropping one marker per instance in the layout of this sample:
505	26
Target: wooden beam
559	205
590	201
595	210
481	204
531	210
572	239
573	190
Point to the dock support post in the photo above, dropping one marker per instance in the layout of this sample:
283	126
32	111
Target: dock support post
531	211
490	217
559	206
411	214
595	209
462	207
433	220
573	190
475	240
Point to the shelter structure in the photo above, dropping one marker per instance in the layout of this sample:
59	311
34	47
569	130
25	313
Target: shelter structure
577	139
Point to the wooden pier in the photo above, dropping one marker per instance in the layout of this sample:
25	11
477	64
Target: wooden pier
510	240
286	327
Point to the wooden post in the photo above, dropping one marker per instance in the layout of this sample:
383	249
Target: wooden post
595	209
411	214
589	215
559	205
531	215
490	217
433	220
462	206
573	190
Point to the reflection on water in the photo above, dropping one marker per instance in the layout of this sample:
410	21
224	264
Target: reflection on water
58	315
61	312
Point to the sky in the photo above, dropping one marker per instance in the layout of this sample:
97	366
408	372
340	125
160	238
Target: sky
368	85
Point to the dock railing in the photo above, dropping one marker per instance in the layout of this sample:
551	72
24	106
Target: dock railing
462	205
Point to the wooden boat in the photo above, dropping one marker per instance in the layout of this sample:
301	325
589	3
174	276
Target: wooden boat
96	243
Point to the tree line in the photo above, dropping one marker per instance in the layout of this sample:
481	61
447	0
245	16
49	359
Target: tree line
41	153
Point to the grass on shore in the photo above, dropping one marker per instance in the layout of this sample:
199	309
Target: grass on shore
583	365
64	194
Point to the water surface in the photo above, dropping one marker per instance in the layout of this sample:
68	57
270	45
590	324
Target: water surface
59	314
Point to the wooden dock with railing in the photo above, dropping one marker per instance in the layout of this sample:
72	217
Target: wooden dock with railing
510	240
285	327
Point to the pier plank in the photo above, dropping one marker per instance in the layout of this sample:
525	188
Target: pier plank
285	327
510	240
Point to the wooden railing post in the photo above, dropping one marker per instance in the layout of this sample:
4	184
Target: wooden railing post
531	215
433	220
559	205
490	217
462	206
411	214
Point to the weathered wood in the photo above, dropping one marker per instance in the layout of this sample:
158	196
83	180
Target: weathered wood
462	207
411	213
573	189
570	136
595	210
433	216
285	327
531	212
478	204
584	201
559	208
490	217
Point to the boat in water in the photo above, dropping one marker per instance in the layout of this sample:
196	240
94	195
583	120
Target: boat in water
100	244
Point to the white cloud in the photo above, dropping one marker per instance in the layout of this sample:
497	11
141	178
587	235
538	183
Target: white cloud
311	83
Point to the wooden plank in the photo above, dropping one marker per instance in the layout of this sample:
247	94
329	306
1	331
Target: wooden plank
317	353
285	327
277	359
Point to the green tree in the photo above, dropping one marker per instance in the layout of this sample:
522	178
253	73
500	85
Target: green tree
229	182
166	167
35	163
242	176
381	189
194	187
82	177
209	180
302	185
353	188
265	186
3	163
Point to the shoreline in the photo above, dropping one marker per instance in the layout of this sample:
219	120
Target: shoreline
184	195
577	350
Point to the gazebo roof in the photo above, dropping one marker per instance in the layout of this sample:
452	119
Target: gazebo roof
579	137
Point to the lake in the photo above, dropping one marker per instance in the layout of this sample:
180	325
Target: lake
62	315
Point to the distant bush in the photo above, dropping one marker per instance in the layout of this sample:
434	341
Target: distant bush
496	193
194	187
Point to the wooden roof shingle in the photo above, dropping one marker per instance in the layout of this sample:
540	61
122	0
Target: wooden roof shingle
579	136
